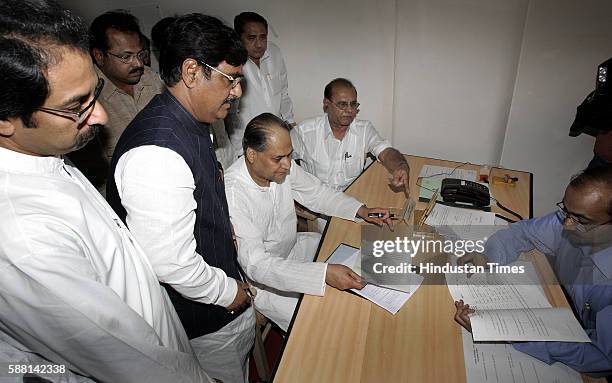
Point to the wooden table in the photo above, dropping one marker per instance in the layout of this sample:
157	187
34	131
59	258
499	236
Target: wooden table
344	338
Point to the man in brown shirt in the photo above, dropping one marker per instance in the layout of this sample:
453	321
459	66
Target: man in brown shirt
117	47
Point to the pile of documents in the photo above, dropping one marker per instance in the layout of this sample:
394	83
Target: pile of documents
390	298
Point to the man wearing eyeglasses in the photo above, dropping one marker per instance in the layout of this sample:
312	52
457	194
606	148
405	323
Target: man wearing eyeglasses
333	147
577	240
78	297
118	49
169	190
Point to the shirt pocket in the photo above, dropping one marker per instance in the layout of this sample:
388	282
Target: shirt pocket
274	79
352	166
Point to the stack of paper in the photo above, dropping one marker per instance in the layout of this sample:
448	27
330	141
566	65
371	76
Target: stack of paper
507	311
390	299
500	363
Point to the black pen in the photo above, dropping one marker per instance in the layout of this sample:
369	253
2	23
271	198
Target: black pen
380	215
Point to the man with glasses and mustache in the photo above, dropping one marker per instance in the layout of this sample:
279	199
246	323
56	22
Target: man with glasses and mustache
168	188
333	147
577	240
79	298
118	49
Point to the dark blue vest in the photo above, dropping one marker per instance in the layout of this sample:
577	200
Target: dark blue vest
165	123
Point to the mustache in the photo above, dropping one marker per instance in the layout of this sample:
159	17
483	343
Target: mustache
137	70
230	100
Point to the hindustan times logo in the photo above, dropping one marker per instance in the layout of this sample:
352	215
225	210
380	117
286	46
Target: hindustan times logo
412	247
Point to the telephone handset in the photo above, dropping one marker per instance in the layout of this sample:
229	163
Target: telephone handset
466	192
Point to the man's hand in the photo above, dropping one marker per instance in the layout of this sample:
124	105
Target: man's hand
462	315
400	178
383	216
342	277
476	259
242	299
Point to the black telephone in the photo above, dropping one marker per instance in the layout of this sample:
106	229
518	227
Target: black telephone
465	192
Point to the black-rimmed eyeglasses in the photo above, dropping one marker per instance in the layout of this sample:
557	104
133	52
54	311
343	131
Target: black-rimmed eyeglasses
81	115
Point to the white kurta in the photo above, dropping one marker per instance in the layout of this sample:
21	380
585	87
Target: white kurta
266	229
75	286
335	162
264	89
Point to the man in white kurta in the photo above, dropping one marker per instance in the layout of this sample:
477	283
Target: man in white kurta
265	88
274	256
334	146
76	287
76	290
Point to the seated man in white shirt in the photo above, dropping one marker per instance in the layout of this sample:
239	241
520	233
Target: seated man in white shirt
261	188
76	290
334	146
265	88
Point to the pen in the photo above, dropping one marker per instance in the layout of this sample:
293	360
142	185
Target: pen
380	215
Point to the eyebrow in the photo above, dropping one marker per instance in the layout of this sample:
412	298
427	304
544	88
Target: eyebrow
80	98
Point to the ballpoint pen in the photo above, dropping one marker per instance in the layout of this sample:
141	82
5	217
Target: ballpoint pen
380	215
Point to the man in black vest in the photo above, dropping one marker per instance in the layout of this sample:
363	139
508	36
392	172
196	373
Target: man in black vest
166	185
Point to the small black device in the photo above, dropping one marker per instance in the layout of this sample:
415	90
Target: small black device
465	192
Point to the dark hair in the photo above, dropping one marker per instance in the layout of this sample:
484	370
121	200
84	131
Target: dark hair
598	177
118	19
248	17
200	37
258	129
158	32
329	88
30	33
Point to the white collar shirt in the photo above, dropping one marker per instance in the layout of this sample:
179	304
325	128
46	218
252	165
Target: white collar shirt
264	89
76	288
337	163
266	226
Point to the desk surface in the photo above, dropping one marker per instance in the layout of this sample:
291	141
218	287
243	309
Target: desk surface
344	338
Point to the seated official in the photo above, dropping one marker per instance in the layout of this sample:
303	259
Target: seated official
334	146
261	188
578	242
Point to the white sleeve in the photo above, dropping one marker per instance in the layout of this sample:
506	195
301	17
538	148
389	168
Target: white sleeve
267	268
286	105
309	191
156	189
375	144
55	304
298	144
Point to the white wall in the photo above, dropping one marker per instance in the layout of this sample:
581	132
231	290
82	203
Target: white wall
485	81
456	66
564	41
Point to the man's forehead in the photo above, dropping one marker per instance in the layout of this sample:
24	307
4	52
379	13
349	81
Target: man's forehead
124	40
342	91
586	199
254	28
229	68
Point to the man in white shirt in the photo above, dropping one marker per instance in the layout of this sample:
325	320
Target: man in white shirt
266	85
168	188
334	146
76	289
261	188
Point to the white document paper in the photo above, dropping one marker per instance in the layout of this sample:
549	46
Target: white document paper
501	363
495	291
527	324
389	299
442	215
446	172
466	224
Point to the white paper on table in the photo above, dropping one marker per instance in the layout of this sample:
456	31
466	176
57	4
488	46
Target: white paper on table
442	215
389	299
500	362
537	324
446	172
494	291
